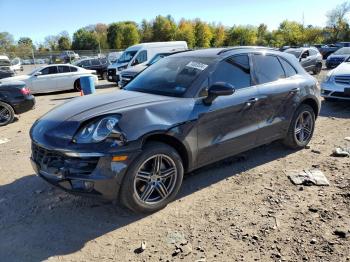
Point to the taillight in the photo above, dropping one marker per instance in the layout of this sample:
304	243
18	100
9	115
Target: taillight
25	91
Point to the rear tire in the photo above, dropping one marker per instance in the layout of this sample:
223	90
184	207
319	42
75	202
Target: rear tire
317	69
145	175
77	86
104	75
301	128
7	114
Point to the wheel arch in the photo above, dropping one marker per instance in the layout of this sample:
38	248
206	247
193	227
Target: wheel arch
313	103
171	141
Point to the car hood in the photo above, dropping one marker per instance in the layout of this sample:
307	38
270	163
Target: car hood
15	78
140	113
134	70
342	69
331	57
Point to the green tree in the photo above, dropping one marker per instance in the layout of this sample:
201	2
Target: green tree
101	33
219	36
203	34
146	31
64	43
262	35
51	42
313	35
84	40
130	35
290	32
25	41
6	41
185	32
164	28
242	35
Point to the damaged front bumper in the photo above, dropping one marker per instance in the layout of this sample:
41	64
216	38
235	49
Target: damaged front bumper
93	174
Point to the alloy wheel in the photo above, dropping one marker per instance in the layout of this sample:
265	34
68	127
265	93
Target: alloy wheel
155	179
5	114
303	127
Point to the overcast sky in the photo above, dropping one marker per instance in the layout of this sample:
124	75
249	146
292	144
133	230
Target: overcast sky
39	18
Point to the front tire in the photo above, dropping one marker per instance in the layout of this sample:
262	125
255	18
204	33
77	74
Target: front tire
77	86
317	69
153	179
301	128
7	114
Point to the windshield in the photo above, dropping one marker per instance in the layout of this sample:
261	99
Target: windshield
156	58
171	76
296	53
127	56
4	62
34	70
343	51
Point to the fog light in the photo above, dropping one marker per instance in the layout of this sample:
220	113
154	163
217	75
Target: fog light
88	186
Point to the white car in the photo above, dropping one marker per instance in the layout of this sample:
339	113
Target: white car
53	78
16	64
336	85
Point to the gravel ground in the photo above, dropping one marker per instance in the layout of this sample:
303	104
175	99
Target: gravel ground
241	209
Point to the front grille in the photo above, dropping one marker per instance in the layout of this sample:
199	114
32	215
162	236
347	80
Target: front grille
343	79
340	94
56	163
112	72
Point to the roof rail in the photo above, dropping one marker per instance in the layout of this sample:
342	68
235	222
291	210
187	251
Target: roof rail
244	47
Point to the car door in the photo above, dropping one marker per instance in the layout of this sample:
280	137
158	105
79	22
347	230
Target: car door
228	125
64	78
306	60
45	81
277	86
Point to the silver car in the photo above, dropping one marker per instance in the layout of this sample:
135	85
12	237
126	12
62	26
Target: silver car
309	58
336	85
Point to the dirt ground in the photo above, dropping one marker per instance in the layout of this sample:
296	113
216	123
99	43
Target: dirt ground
241	209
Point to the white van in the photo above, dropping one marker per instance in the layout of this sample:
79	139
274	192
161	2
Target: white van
141	54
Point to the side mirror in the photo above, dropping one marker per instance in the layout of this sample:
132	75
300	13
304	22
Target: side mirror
38	74
218	89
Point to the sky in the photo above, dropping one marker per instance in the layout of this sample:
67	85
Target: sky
39	18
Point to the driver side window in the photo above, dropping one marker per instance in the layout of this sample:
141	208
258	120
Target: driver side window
49	70
234	70
141	57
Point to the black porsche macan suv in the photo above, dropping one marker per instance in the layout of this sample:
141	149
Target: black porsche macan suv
184	112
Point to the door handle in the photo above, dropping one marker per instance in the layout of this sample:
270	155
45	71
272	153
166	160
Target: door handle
294	90
251	101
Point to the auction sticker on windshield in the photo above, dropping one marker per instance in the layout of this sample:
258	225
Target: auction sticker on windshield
197	65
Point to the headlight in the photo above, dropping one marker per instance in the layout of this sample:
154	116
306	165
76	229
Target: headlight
99	130
327	78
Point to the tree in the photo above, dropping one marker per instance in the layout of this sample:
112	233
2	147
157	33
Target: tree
64	43
130	35
146	31
25	41
6	41
51	42
203	34
219	36
262	35
242	35
290	33
313	35
164	28
84	40
337	22
101	32
185	32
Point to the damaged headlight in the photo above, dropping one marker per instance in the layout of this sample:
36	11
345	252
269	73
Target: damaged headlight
99	130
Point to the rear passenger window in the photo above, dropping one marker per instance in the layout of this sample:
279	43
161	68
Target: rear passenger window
63	69
234	70
288	69
267	68
73	69
95	62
